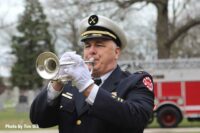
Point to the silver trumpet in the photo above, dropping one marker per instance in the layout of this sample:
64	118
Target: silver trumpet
47	66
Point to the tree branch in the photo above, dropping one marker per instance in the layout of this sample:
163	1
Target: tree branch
190	24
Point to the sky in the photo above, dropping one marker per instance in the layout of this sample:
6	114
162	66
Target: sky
9	11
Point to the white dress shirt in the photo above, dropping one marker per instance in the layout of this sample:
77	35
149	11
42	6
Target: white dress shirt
90	99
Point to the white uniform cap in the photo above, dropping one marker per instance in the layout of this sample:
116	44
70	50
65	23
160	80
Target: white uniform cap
101	27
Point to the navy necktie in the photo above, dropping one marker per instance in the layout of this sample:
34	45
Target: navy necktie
97	81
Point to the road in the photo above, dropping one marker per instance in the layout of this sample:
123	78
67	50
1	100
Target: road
157	130
173	130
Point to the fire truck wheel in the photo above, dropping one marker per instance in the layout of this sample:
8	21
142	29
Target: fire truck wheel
168	117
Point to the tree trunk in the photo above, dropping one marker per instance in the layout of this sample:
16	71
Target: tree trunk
162	31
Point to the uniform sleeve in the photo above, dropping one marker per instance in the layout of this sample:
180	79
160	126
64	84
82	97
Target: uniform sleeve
133	110
42	112
51	93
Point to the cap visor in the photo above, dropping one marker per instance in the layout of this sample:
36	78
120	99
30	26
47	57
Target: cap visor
96	37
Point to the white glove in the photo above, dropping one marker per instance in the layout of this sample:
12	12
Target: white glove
66	57
78	72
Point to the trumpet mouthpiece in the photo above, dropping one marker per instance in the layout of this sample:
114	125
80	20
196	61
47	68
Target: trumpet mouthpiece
91	59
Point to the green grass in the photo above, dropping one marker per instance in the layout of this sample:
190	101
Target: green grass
10	119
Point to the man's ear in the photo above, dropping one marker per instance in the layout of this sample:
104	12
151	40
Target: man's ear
117	53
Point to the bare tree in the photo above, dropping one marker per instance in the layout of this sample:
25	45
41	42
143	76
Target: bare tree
165	38
64	16
188	44
168	30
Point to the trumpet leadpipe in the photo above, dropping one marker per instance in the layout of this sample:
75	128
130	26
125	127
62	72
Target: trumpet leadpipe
72	63
90	61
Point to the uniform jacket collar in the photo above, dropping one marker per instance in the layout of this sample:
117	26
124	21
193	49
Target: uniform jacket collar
111	82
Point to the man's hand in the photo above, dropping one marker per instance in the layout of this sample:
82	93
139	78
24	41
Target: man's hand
78	72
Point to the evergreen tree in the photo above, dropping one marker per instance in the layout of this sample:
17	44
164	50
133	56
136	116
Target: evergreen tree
33	39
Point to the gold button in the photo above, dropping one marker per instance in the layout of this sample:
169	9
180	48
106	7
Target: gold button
78	122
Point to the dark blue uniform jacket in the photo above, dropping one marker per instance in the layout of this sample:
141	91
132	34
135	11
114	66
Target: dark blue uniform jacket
123	104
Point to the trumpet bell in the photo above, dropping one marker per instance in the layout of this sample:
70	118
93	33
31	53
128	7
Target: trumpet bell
47	65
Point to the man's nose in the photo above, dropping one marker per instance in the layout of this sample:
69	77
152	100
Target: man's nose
92	49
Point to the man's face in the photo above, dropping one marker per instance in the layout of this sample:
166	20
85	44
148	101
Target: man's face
105	54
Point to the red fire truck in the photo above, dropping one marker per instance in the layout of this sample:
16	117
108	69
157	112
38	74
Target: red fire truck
176	87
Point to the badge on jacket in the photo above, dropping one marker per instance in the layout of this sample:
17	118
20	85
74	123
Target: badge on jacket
67	95
148	83
114	95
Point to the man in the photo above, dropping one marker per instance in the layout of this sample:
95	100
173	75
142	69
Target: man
119	102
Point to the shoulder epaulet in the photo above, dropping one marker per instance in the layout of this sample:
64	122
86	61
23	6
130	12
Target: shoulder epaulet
133	79
127	73
141	72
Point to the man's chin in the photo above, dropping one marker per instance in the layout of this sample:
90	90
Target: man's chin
95	73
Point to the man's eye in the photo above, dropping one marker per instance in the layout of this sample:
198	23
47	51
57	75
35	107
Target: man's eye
99	45
87	45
